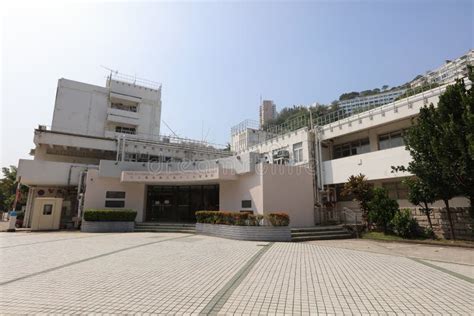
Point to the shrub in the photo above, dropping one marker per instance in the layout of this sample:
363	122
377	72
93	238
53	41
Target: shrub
20	215
382	209
404	225
279	219
109	215
240	218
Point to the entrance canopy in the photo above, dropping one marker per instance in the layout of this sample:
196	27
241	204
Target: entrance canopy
208	175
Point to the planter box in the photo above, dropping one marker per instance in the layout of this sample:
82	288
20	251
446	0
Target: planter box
107	227
255	233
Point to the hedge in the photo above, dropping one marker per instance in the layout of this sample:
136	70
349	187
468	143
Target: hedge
110	215
240	219
279	219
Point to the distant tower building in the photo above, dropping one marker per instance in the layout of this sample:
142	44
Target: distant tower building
267	111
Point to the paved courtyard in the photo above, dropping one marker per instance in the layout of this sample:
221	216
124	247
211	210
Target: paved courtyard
147	273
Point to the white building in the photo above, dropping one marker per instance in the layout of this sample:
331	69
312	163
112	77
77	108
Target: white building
371	101
246	134
98	163
104	150
369	143
451	70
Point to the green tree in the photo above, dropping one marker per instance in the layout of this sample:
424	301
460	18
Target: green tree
421	195
426	163
358	187
8	187
453	147
382	209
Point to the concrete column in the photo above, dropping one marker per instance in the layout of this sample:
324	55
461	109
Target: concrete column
373	140
29	207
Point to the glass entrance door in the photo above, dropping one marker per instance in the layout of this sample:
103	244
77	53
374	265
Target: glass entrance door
179	203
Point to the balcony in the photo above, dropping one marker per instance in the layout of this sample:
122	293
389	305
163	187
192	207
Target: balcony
53	138
50	173
374	165
122	117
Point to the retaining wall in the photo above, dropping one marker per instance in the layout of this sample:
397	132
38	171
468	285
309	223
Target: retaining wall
106	227
462	222
255	233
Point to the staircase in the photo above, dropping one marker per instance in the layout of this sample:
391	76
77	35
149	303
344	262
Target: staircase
165	227
320	233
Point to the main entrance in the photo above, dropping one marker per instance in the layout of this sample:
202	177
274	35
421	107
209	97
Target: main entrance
179	203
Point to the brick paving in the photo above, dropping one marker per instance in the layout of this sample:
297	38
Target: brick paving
147	273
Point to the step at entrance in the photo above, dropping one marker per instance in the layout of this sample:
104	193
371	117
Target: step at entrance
165	227
320	233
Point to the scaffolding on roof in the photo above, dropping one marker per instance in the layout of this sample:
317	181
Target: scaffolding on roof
244	125
118	76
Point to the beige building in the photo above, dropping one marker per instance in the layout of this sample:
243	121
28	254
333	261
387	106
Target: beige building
268	111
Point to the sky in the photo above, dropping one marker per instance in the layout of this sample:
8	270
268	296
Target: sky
216	59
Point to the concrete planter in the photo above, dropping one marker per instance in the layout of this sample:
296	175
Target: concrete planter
255	233
107	227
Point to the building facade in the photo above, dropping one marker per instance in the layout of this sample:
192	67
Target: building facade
451	70
370	143
268	112
104	150
114	158
371	101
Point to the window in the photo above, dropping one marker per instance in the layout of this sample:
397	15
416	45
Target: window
298	152
115	199
396	190
123	107
357	147
114	203
125	130
246	204
115	195
47	209
391	140
281	156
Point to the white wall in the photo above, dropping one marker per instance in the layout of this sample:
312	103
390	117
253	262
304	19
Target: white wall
41	172
374	165
247	187
96	188
272	188
288	189
82	108
285	141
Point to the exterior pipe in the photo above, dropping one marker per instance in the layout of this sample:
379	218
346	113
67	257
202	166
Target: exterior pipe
80	197
123	148
118	149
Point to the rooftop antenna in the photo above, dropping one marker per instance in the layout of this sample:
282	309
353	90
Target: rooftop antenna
169	128
110	70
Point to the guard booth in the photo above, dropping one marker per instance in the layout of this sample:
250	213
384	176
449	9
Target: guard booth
46	213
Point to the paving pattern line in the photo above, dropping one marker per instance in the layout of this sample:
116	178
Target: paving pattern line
452	273
221	297
90	258
48	241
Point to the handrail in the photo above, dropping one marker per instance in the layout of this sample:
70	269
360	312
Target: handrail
356	218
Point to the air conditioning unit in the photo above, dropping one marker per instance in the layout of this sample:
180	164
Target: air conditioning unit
42	127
